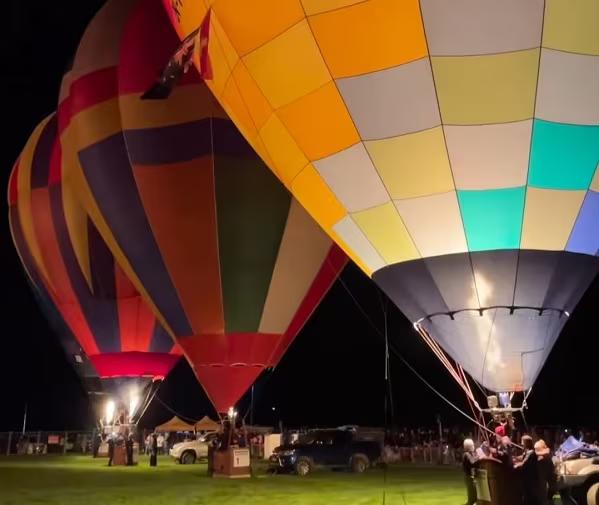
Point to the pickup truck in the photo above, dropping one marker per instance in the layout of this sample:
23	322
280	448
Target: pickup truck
335	448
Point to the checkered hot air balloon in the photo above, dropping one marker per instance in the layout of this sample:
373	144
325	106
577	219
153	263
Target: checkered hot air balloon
229	261
449	147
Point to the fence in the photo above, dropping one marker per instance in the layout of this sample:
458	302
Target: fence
46	442
434	455
65	442
80	442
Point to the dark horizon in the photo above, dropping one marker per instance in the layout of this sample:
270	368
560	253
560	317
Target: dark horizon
333	374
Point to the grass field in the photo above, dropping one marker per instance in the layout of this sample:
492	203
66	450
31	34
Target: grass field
78	480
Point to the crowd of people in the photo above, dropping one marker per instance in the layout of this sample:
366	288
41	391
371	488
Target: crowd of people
528	463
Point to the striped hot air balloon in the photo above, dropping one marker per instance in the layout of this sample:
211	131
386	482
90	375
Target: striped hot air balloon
230	263
109	333
449	147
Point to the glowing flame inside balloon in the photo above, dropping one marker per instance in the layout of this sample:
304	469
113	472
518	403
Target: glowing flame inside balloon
109	411
490	346
133	403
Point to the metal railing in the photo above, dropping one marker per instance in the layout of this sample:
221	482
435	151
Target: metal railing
46	442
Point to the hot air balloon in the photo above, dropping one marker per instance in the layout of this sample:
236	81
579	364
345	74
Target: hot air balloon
231	264
450	148
109	334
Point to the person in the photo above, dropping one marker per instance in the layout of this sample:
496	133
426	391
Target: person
110	449
242	440
97	441
160	442
500	432
148	448
154	450
165	444
504	452
546	470
211	448
129	449
484	451
469	459
83	443
532	492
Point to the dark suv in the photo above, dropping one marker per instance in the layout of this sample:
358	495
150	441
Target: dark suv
337	448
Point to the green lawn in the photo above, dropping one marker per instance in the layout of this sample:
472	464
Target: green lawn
78	480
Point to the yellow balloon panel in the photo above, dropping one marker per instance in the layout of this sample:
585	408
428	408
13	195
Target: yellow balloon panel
572	26
548	218
486	89
93	124
413	165
385	230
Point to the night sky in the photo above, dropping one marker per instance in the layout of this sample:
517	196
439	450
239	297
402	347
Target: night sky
334	372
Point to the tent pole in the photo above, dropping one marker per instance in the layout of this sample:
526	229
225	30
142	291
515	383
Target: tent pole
252	406
24	419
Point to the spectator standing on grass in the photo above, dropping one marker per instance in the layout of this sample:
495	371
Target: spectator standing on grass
154	450
546	470
96	442
110	449
468	461
533	493
165	445
160	442
129	449
148	444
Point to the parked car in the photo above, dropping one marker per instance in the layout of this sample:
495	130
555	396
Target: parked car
577	466
191	451
578	481
335	448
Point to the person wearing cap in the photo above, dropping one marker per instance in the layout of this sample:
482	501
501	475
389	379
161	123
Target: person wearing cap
469	459
546	470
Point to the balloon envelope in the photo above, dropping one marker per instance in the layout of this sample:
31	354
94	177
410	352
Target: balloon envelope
106	329
450	148
230	263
